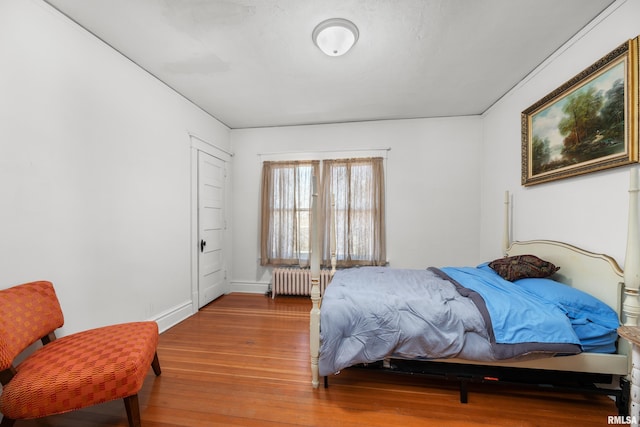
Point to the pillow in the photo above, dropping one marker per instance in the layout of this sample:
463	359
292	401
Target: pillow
522	266
594	322
578	304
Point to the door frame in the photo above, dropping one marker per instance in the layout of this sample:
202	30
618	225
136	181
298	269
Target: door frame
198	144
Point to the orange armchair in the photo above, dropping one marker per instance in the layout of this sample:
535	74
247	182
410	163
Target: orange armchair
71	372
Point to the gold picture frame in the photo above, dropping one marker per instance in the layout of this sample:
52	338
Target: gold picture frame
588	124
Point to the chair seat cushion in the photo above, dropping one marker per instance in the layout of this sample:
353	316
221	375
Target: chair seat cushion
80	370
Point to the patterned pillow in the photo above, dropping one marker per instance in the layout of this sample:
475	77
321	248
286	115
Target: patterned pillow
522	266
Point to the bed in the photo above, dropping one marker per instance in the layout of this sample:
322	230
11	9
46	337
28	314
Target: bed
600	369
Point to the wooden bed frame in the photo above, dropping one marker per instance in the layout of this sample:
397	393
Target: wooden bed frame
596	274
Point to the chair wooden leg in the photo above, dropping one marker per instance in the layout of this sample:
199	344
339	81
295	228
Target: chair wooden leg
7	422
155	364
133	410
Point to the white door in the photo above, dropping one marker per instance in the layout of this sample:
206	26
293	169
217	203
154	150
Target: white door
211	228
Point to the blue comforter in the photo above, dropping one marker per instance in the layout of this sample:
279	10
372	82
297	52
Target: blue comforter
515	316
372	313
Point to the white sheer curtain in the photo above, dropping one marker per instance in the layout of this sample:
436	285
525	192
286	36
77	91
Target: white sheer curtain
286	210
357	187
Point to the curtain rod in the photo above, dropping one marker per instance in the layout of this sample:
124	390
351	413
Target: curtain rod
324	151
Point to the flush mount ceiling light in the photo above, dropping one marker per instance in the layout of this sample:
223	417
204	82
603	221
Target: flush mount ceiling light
335	36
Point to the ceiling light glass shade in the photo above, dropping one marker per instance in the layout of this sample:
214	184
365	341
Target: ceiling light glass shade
335	36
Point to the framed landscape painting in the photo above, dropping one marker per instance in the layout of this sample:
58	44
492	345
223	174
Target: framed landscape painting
590	123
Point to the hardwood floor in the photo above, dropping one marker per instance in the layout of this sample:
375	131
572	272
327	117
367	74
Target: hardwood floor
243	360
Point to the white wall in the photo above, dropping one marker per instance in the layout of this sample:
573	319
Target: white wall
95	169
446	193
433	214
589	211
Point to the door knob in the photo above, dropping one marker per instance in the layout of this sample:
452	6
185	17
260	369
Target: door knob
202	245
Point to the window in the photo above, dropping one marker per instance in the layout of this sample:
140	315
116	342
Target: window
286	208
357	188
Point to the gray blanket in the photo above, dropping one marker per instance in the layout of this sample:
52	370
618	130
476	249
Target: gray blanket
372	313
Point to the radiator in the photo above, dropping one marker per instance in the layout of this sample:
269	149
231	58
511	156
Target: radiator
296	281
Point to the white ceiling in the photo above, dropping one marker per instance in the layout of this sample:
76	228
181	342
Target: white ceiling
252	63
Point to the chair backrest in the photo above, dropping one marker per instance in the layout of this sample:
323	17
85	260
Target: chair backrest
27	313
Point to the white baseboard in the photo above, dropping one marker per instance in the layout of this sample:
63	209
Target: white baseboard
250	287
173	316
